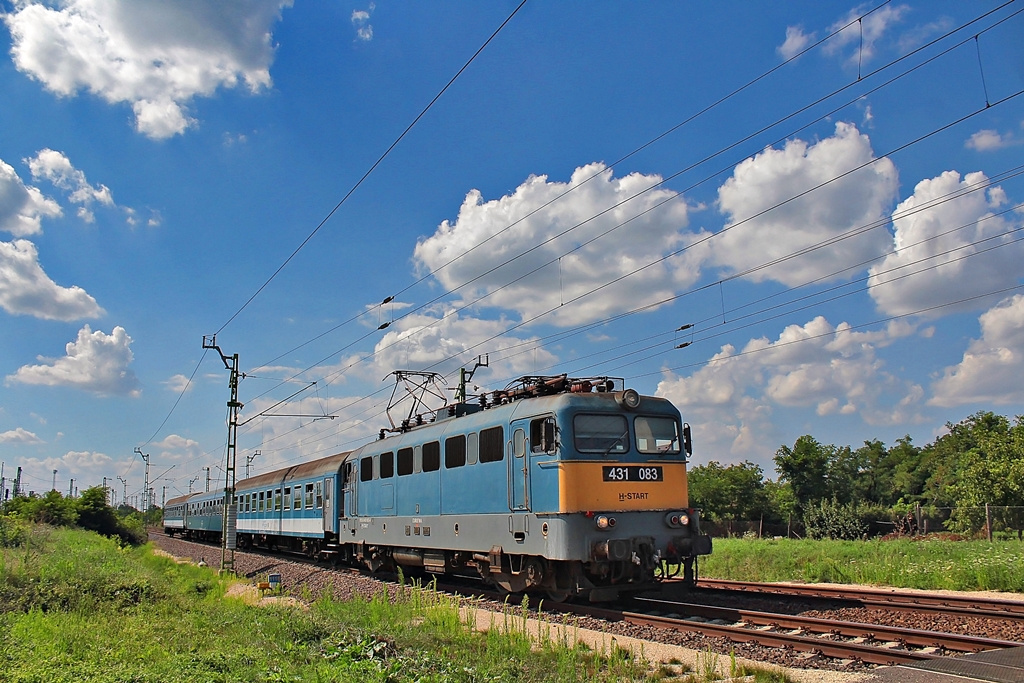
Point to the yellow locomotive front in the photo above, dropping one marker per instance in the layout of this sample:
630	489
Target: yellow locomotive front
608	470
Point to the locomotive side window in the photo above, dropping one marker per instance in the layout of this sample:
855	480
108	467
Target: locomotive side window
387	465
404	461
492	444
657	435
455	451
432	456
542	435
472	448
366	469
605	434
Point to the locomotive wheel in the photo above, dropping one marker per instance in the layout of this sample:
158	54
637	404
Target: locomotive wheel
558	595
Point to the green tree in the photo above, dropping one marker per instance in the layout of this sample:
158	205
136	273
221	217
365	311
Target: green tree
734	492
50	508
949	454
991	472
804	467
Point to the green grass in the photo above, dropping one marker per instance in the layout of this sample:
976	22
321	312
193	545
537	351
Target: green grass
77	607
927	564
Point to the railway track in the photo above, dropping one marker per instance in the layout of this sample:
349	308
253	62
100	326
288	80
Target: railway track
945	604
835	640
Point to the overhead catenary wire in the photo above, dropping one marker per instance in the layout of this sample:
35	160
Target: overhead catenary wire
782	203
678	194
403	290
373	167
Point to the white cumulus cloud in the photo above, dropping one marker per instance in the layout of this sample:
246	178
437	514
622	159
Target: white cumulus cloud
565	247
989	140
26	290
833	369
756	233
949	245
95	362
859	39
57	168
155	56
992	366
22	207
796	41
19	436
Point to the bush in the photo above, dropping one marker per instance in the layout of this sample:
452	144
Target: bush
835	520
13	532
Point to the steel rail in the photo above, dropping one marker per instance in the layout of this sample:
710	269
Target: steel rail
991	608
849	629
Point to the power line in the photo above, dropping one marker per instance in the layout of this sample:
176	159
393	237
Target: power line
373	167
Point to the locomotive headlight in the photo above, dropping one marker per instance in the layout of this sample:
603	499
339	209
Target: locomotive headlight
604	522
628	399
677	519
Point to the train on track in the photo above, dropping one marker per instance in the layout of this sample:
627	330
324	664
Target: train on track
571	488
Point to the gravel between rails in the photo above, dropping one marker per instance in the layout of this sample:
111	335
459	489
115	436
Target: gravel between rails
301	579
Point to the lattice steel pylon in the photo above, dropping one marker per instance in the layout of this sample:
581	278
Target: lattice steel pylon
229	514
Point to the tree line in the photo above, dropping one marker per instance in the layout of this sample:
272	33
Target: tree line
842	492
88	511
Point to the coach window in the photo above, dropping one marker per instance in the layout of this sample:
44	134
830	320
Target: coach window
287	497
261	501
455	451
298	498
270	500
542	435
366	469
319	495
387	465
309	496
277	499
404	461
604	434
432	456
492	444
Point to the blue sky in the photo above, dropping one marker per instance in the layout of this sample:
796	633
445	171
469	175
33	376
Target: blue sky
829	193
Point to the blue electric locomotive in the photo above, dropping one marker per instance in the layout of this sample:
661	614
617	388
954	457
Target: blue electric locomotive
558	486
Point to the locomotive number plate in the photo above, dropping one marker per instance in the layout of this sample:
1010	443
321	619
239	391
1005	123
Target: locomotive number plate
631	473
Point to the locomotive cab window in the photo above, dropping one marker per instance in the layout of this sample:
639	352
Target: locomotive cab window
657	435
366	469
605	434
387	465
542	435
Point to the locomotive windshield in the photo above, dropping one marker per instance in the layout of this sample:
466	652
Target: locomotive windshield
657	435
607	434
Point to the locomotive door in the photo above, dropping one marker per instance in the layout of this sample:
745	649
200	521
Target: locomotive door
329	505
519	469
